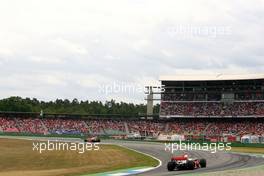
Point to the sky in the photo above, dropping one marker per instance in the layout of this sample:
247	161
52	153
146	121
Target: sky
102	50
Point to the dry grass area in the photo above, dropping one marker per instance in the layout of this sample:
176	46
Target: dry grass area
17	158
248	150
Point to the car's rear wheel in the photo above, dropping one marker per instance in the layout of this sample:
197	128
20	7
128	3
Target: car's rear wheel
190	165
203	163
171	166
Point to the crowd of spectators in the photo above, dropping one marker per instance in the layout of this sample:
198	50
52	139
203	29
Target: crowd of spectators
217	127
188	127
29	125
194	126
65	126
98	126
212	109
148	128
186	97
8	125
194	96
236	128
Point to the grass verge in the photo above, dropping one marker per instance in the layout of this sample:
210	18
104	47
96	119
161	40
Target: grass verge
248	150
18	158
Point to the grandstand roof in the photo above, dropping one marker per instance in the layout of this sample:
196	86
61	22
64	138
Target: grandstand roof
211	77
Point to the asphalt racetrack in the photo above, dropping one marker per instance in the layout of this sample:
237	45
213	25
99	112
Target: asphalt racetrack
218	161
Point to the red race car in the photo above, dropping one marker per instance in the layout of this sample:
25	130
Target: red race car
92	139
183	162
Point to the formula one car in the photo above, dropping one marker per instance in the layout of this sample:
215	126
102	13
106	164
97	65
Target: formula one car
185	163
92	139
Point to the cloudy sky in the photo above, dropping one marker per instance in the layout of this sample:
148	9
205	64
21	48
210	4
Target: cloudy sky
82	48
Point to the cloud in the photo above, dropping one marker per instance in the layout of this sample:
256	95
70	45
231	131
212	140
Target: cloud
66	49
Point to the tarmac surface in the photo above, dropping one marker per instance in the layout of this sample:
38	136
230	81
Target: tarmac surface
218	161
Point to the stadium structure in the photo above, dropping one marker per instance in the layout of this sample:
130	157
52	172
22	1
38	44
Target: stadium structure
212	96
212	108
228	109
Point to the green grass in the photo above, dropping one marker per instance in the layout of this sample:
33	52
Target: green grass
248	150
18	158
251	171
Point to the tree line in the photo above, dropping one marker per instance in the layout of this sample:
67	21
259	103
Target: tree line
19	104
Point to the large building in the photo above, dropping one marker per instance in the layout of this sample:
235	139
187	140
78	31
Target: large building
211	108
212	96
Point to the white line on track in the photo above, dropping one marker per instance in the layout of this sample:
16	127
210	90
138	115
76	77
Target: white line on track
150	169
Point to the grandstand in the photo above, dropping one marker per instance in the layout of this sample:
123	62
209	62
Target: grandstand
212	96
214	106
198	107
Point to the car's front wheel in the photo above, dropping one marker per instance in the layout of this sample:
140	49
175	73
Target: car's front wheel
171	166
203	163
190	165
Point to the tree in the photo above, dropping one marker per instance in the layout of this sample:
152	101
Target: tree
18	104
